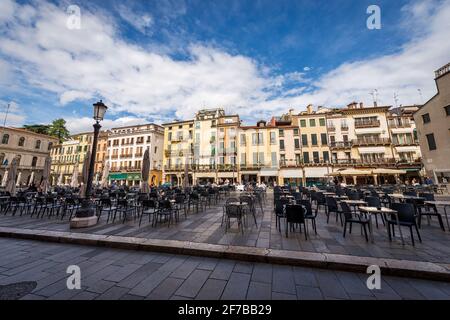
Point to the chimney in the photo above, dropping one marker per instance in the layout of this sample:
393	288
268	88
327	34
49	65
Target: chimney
352	105
375	104
309	109
361	105
290	112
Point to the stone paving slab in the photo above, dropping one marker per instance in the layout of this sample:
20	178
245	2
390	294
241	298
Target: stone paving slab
403	268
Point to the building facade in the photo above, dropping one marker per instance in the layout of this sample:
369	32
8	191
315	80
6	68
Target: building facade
293	148
69	156
125	151
433	128
31	148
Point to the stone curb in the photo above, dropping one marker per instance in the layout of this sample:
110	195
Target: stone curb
391	267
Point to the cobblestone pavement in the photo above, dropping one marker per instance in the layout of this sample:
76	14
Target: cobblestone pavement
124	274
205	227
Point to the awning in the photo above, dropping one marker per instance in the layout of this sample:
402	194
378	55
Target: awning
407	149
368	131
266	172
294	173
124	176
316	172
350	172
366	150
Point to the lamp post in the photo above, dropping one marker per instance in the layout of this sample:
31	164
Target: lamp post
87	209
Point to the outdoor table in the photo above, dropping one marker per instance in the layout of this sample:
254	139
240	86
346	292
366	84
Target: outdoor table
403	197
327	194
355	203
373	210
444	204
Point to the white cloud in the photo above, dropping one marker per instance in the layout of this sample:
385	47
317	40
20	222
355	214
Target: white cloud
306	69
15	116
84	124
141	22
147	84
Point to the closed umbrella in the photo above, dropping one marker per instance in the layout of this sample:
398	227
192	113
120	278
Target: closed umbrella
105	176
186	173
74	182
11	180
5	178
19	179
60	179
31	178
46	175
145	172
85	174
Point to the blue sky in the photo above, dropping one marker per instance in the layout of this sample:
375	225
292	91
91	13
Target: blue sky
161	60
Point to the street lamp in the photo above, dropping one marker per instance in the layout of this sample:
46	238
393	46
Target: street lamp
87	209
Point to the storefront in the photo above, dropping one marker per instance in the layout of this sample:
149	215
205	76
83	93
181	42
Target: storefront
129	179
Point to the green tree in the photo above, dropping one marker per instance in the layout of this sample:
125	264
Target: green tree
58	130
38	128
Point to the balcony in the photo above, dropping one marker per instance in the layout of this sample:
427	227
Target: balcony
125	169
299	164
115	156
331	128
401	125
344	128
340	145
138	155
140	142
126	156
397	143
130	143
367	124
371	142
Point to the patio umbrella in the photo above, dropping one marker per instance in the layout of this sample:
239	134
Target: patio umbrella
85	174
74	182
11	180
46	175
60	179
19	178
5	178
145	172
31	178
388	171
105	175
186	173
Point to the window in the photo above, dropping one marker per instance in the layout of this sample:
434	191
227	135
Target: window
243	141
316	157
312	122
322	122
273	138
297	143
326	156
38	144
34	162
447	110
197	125
5	139
314	139
298	159
296	132
431	142
282	159
21	141
426	118
281	144
2	158
306	157
169	136
281	132
257	138
323	138
243	159
345	137
274	159
303	123
304	139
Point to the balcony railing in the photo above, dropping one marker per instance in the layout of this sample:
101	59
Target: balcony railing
396	125
331	128
126	156
340	145
397	143
125	169
115	156
367	124
344	128
371	142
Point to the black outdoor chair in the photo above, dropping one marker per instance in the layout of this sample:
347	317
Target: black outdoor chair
295	216
428	210
350	218
70	207
280	211
309	214
166	210
250	207
376	203
320	201
149	207
332	207
233	211
406	216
